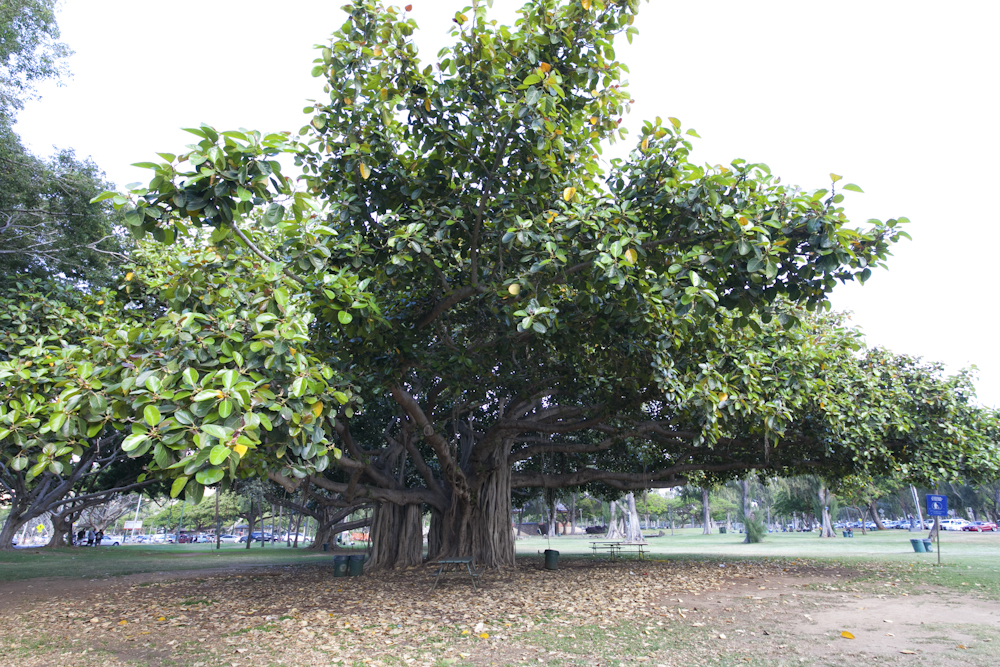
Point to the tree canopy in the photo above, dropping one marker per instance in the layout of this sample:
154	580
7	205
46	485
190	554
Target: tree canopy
29	52
49	227
508	309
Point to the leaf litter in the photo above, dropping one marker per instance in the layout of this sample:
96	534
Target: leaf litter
302	615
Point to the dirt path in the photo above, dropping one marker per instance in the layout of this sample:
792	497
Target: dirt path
586	613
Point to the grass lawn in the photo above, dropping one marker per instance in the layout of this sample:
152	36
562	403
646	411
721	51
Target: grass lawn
968	559
98	562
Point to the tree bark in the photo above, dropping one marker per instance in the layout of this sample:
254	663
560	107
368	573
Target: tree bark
873	510
550	524
633	531
396	537
824	500
614	529
706	513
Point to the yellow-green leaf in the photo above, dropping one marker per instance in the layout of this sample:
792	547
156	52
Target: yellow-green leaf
152	415
178	486
218	454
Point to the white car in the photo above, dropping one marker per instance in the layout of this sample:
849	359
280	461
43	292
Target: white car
111	540
953	524
227	539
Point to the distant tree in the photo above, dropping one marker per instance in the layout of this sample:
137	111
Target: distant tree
29	50
48	225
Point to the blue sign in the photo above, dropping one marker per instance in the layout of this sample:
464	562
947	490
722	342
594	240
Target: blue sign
937	505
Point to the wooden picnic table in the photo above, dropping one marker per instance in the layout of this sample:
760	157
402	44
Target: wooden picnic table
456	563
615	548
612	547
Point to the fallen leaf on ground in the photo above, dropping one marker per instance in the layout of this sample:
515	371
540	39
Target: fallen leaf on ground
846	635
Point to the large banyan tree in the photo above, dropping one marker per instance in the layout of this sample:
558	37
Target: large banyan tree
514	312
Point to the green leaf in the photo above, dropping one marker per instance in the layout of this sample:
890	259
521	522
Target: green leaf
225	408
216	431
298	387
852	187
178	486
344	317
190	376
103	196
835	177
152	415
133	441
205	395
209	476
275	213
218	454
341	397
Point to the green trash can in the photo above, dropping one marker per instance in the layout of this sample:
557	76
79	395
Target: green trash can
326	546
357	565
722	530
340	566
918	546
551	559
928	546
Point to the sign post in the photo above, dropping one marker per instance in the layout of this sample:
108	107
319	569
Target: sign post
937	507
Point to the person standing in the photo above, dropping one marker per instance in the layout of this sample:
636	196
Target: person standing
90	537
98	537
80	534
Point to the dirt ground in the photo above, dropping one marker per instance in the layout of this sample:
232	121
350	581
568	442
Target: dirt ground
586	613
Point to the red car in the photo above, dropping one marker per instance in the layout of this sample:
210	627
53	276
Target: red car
980	526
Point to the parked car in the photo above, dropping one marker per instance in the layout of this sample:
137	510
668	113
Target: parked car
980	527
257	536
228	539
184	538
111	540
954	524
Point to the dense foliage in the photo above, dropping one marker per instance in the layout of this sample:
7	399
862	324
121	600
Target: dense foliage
517	313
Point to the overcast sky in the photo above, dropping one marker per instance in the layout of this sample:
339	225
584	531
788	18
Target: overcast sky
898	97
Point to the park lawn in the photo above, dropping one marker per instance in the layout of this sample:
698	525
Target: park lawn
101	562
970	562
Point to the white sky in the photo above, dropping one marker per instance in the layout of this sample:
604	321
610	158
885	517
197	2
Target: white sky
898	97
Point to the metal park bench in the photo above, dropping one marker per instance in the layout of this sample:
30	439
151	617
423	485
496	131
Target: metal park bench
457	563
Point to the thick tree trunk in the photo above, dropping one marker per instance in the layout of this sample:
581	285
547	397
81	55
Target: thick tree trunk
633	531
481	527
397	537
62	527
827	528
15	521
614	526
873	510
435	535
706	513
550	524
